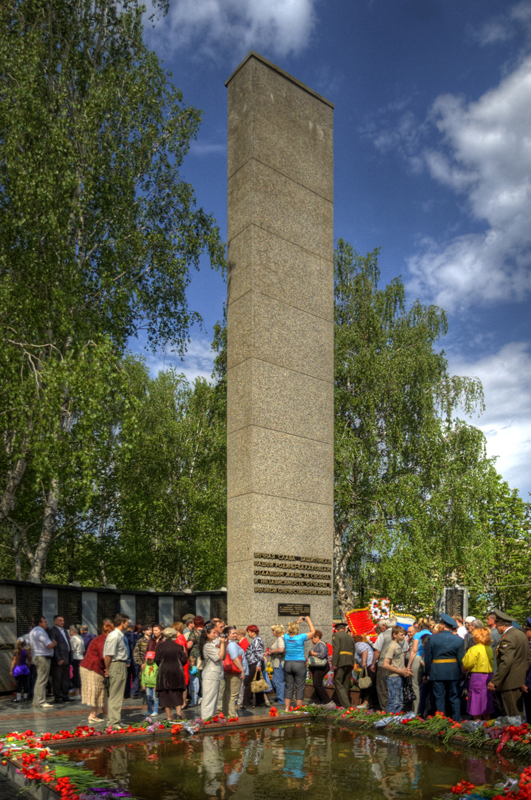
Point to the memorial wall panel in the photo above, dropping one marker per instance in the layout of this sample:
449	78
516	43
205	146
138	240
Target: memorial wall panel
8	635
182	606
108	606
70	606
29	604
147	609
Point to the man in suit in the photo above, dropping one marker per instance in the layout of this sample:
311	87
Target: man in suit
62	656
443	658
342	663
512	661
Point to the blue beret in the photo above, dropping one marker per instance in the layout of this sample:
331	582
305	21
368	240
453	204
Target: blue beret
448	620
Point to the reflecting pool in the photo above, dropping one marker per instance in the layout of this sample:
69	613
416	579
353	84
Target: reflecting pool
322	762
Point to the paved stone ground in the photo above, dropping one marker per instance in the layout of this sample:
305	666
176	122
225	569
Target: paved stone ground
10	790
20	717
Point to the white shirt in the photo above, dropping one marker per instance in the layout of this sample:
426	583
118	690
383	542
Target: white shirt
115	646
65	637
39	640
78	647
461	631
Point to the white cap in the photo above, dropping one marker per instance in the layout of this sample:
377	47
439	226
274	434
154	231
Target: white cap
469	619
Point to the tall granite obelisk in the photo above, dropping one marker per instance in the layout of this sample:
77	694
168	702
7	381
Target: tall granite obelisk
280	414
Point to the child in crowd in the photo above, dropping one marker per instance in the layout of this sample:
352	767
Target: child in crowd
193	684
20	669
149	682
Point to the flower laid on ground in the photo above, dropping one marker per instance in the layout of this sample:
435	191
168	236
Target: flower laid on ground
273	712
463	787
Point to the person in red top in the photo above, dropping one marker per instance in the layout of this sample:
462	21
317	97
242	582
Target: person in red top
91	671
181	639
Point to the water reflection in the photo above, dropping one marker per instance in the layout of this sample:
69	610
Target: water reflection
266	764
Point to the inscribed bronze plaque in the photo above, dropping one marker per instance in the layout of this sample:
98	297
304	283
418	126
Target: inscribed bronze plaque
293	609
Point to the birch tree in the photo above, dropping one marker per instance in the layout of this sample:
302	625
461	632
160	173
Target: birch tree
410	477
98	234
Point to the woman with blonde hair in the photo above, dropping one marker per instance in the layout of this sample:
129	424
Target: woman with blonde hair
479	661
77	647
276	651
20	669
295	661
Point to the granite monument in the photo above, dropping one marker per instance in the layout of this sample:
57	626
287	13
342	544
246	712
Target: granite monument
280	349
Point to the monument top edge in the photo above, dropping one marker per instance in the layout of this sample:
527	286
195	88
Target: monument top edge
253	54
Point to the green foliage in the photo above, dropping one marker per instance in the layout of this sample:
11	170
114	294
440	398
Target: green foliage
98	234
412	482
171	479
497	572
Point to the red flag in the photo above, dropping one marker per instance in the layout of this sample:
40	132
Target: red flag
360	622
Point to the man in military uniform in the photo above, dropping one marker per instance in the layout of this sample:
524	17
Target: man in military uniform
512	661
443	658
342	663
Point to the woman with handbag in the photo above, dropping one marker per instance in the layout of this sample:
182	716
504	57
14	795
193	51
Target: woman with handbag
254	682
295	661
363	657
170	658
212	650
319	666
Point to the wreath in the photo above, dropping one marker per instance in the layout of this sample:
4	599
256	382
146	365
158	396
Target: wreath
379	608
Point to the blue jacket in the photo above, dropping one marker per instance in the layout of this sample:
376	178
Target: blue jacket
447	648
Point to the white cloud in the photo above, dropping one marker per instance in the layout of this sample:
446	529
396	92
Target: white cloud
485	156
505	26
198	361
278	27
207	149
506	378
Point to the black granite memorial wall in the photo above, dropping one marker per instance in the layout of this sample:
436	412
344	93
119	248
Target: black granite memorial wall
218	607
147	608
182	606
29	604
69	606
108	606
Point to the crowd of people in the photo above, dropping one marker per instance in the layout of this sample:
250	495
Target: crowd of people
192	662
449	666
430	666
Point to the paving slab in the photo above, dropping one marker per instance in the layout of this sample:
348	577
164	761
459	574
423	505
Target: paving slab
24	716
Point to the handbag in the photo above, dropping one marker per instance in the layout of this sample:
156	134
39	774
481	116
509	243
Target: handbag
408	691
229	666
365	680
314	661
258	684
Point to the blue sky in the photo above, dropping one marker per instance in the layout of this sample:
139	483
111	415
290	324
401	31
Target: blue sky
432	163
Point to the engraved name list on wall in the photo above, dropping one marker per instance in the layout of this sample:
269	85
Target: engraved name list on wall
282	574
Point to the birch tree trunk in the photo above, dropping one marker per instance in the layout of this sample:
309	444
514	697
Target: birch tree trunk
342	584
14	477
47	532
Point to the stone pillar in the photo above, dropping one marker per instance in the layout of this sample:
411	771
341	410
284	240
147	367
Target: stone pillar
89	611
128	606
50	605
280	416
166	616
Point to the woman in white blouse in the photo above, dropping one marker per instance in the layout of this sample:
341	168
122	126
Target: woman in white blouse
212	651
77	646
